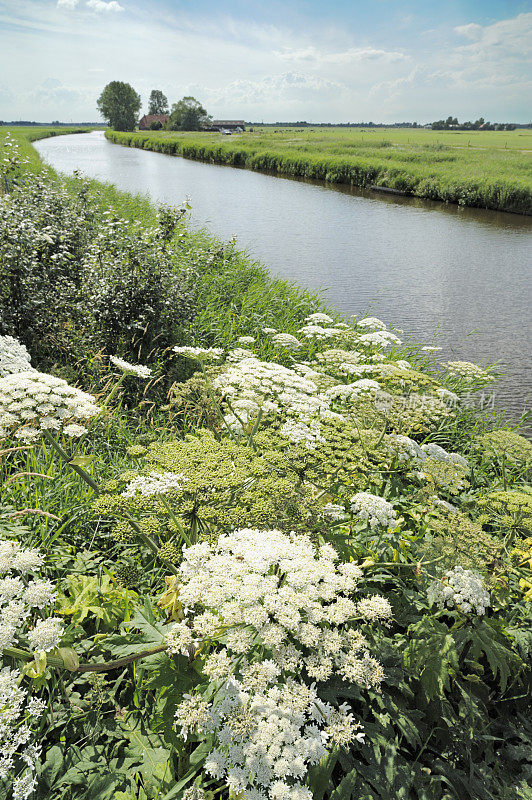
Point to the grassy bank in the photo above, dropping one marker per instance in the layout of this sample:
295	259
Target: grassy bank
482	169
274	554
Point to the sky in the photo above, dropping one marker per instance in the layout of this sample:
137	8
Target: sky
333	61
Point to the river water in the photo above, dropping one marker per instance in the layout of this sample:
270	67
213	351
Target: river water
457	278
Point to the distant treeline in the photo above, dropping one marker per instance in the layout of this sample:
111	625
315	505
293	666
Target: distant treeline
27	123
438	125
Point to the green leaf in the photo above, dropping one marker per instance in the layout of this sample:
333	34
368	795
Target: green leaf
431	655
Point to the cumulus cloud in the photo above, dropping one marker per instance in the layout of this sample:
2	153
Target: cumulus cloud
289	86
101	5
67	3
352	55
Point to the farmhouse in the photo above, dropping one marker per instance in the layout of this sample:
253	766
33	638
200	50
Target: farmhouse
148	119
227	125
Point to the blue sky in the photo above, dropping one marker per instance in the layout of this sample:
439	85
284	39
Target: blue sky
338	61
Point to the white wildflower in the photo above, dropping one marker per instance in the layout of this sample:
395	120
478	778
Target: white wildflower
39	594
131	369
468	371
47	401
460	588
302	433
286	340
74	430
154	483
376	510
46	634
14	357
246	339
436	452
333	512
319	318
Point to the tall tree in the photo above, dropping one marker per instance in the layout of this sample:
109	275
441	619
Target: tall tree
119	104
188	115
158	102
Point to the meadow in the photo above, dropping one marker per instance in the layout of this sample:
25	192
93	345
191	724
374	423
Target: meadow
491	169
249	550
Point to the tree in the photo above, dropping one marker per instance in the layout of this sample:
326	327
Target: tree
188	115
119	104
158	102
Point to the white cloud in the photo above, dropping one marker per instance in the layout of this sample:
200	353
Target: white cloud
67	3
101	5
352	55
289	87
471	31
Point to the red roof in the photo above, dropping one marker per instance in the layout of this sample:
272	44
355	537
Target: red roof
147	119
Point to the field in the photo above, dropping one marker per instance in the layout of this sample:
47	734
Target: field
249	550
491	169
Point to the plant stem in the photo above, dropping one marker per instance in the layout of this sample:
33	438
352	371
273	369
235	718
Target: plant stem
53	661
150	543
66	458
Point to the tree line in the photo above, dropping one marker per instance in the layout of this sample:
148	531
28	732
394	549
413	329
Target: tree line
119	104
451	123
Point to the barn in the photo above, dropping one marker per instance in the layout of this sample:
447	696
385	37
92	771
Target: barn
148	119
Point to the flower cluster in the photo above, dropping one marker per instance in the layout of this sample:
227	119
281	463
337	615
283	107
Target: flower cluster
376	510
19	596
372	323
379	339
131	369
32	402
14	357
437	453
268	385
468	371
18	755
154	483
286	340
462	589
301	432
278	597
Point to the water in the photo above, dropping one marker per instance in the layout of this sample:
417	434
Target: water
458	278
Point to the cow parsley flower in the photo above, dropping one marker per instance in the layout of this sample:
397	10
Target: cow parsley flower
41	401
286	340
436	452
18	754
14	357
468	371
407	449
302	433
246	339
372	323
379	338
131	369
39	594
376	510
460	588
46	634
154	483
318	318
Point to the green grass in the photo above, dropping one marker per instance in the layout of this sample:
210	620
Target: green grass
486	169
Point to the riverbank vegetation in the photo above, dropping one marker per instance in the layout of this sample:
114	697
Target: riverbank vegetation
474	168
248	549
